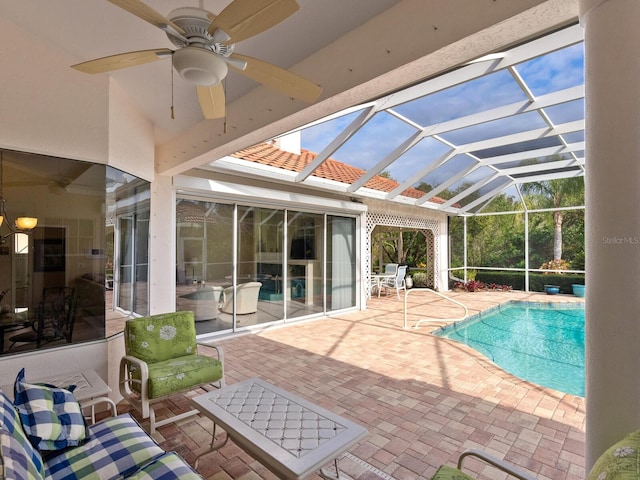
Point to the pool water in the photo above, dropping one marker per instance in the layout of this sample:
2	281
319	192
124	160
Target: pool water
540	343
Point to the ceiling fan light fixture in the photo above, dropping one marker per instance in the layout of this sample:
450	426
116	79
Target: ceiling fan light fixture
199	66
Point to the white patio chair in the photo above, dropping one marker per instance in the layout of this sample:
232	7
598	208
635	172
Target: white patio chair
397	282
390	268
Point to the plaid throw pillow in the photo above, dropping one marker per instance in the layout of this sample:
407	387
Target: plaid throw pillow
14	459
51	416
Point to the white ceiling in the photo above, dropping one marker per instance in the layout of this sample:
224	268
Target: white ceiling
357	50
94	29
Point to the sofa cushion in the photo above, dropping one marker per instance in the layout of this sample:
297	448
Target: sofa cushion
117	448
161	337
183	373
51	416
168	466
446	472
10	422
621	461
15	462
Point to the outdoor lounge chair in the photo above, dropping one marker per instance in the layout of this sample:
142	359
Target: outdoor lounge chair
247	301
161	360
446	472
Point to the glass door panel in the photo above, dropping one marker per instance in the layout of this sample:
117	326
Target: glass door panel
204	262
305	264
341	262
259	290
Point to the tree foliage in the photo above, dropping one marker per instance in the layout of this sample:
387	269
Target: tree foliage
499	240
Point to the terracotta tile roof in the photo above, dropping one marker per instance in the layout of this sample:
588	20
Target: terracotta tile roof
268	154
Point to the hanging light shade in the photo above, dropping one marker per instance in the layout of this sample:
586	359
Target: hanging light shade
22	224
199	66
26	223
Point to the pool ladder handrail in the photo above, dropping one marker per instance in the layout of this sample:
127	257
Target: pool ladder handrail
406	294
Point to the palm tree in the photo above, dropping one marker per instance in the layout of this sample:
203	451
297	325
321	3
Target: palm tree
555	194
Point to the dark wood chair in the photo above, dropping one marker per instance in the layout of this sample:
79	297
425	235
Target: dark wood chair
54	320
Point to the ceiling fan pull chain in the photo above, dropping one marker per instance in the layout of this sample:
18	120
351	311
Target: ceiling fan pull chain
172	70
224	127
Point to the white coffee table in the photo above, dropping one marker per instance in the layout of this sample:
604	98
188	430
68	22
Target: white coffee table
289	435
90	388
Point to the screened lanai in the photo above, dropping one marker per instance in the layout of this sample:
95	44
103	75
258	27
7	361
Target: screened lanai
483	129
507	119
467	143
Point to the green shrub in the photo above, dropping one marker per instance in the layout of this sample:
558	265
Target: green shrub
420	279
537	281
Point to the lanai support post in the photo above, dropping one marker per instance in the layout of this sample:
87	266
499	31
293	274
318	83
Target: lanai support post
612	83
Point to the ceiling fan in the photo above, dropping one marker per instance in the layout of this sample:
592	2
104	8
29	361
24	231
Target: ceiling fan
206	44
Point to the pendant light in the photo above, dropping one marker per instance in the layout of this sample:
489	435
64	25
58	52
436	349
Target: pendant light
22	224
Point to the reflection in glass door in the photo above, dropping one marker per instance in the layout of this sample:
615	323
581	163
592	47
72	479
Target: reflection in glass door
133	263
259	289
305	263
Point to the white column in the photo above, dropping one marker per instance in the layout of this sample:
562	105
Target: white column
162	246
612	82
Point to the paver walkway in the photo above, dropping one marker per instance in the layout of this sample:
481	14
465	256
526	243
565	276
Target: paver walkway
423	399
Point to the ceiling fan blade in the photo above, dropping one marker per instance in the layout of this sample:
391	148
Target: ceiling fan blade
211	98
146	13
278	78
122	60
242	19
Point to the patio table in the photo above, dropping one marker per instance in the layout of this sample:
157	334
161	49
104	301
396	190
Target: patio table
291	436
380	279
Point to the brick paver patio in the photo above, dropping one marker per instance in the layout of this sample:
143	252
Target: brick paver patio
423	399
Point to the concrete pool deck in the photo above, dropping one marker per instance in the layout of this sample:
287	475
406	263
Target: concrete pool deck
423	399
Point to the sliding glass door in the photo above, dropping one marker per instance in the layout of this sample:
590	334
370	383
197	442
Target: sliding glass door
239	266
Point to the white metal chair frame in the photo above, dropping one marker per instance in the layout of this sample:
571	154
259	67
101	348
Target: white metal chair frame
398	282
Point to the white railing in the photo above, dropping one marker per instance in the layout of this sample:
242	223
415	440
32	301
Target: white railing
406	295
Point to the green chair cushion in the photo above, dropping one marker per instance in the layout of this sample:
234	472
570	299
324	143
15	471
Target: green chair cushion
161	337
449	473
180	374
620	462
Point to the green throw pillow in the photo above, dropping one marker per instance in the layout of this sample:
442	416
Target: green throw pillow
161	337
619	462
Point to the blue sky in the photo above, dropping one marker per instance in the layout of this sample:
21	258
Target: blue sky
555	71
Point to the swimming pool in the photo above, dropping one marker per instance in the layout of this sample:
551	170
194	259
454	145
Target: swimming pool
541	343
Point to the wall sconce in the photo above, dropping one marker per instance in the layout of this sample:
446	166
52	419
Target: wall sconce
21	224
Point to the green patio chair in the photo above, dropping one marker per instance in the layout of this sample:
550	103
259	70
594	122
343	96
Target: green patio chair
446	472
161	359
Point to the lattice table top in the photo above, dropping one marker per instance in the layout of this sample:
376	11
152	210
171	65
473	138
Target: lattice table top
290	435
290	425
